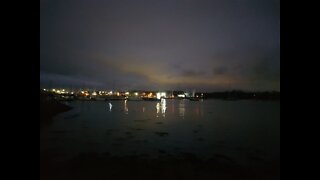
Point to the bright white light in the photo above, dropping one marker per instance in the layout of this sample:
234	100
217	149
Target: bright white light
62	89
181	95
127	93
136	94
125	107
160	95
44	89
94	94
110	106
53	90
158	107
163	102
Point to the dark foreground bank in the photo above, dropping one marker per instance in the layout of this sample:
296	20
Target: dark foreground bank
92	166
50	107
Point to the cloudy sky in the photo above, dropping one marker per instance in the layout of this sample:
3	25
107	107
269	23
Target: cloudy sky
205	45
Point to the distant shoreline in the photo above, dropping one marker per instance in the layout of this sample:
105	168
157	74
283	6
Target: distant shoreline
241	95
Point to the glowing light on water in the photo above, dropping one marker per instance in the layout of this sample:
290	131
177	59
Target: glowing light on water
110	106
126	110
163	107
158	108
181	108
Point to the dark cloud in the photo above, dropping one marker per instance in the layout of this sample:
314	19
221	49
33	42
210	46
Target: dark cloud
162	44
192	73
220	70
59	80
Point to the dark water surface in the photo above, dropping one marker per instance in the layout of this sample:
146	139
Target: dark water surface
246	133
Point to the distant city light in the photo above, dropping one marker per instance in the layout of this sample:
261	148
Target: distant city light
181	95
136	93
160	95
53	90
94	94
127	93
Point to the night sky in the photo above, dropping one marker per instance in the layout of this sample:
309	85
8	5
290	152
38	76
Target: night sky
207	45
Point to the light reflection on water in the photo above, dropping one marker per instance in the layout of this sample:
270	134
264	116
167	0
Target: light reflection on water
203	128
126	110
181	108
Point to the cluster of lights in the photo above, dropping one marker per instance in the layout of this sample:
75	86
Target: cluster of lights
160	95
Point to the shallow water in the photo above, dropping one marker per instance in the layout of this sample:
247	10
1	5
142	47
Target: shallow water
246	132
